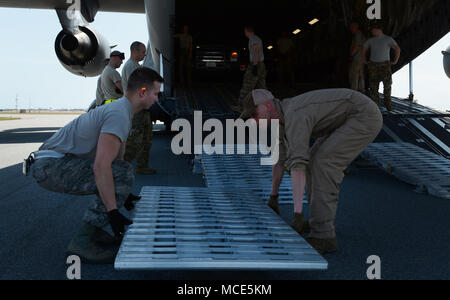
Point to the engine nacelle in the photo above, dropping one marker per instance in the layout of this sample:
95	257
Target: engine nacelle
82	51
447	61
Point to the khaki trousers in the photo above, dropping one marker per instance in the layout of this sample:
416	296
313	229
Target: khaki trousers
357	77
330	156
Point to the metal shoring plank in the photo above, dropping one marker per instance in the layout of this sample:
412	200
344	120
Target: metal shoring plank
430	136
412	107
167	243
227	170
441	123
414	165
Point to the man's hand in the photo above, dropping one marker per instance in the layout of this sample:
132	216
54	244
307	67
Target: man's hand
118	223
129	204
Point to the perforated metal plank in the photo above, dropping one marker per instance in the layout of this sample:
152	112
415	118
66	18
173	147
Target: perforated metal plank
403	107
414	165
244	172
213	229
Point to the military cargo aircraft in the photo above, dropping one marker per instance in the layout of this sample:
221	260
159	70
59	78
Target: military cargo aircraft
412	136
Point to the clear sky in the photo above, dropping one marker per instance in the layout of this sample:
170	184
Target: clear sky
31	70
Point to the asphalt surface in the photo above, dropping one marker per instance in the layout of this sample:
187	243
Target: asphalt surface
378	215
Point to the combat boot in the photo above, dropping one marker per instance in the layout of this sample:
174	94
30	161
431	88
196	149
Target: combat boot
103	238
273	204
90	250
324	246
388	105
298	223
306	227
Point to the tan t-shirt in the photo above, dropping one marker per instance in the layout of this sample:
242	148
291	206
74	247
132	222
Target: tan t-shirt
109	78
129	67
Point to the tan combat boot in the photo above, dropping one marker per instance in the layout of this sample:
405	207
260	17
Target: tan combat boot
324	246
298	223
87	245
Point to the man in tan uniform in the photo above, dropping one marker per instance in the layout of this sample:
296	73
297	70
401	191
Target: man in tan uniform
343	123
356	72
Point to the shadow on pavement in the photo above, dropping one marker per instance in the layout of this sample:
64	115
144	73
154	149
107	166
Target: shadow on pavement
26	135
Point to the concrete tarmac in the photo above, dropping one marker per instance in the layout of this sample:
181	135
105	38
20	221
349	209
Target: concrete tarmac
377	215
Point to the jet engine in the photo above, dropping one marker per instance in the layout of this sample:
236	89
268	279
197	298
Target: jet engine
447	61
82	51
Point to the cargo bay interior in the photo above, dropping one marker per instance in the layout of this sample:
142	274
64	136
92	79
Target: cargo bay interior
320	32
321	38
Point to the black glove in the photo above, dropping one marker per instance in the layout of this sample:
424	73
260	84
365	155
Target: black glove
118	223
129	205
255	70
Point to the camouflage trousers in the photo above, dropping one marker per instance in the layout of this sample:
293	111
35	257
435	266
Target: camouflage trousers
252	82
380	72
75	176
139	142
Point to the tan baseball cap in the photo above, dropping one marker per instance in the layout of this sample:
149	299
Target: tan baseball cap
255	98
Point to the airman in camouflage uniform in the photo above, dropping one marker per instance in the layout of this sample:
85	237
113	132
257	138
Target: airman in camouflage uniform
58	175
380	72
255	76
140	142
86	157
380	63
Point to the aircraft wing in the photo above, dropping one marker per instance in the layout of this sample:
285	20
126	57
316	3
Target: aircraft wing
128	6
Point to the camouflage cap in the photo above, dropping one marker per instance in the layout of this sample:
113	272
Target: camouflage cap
255	98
